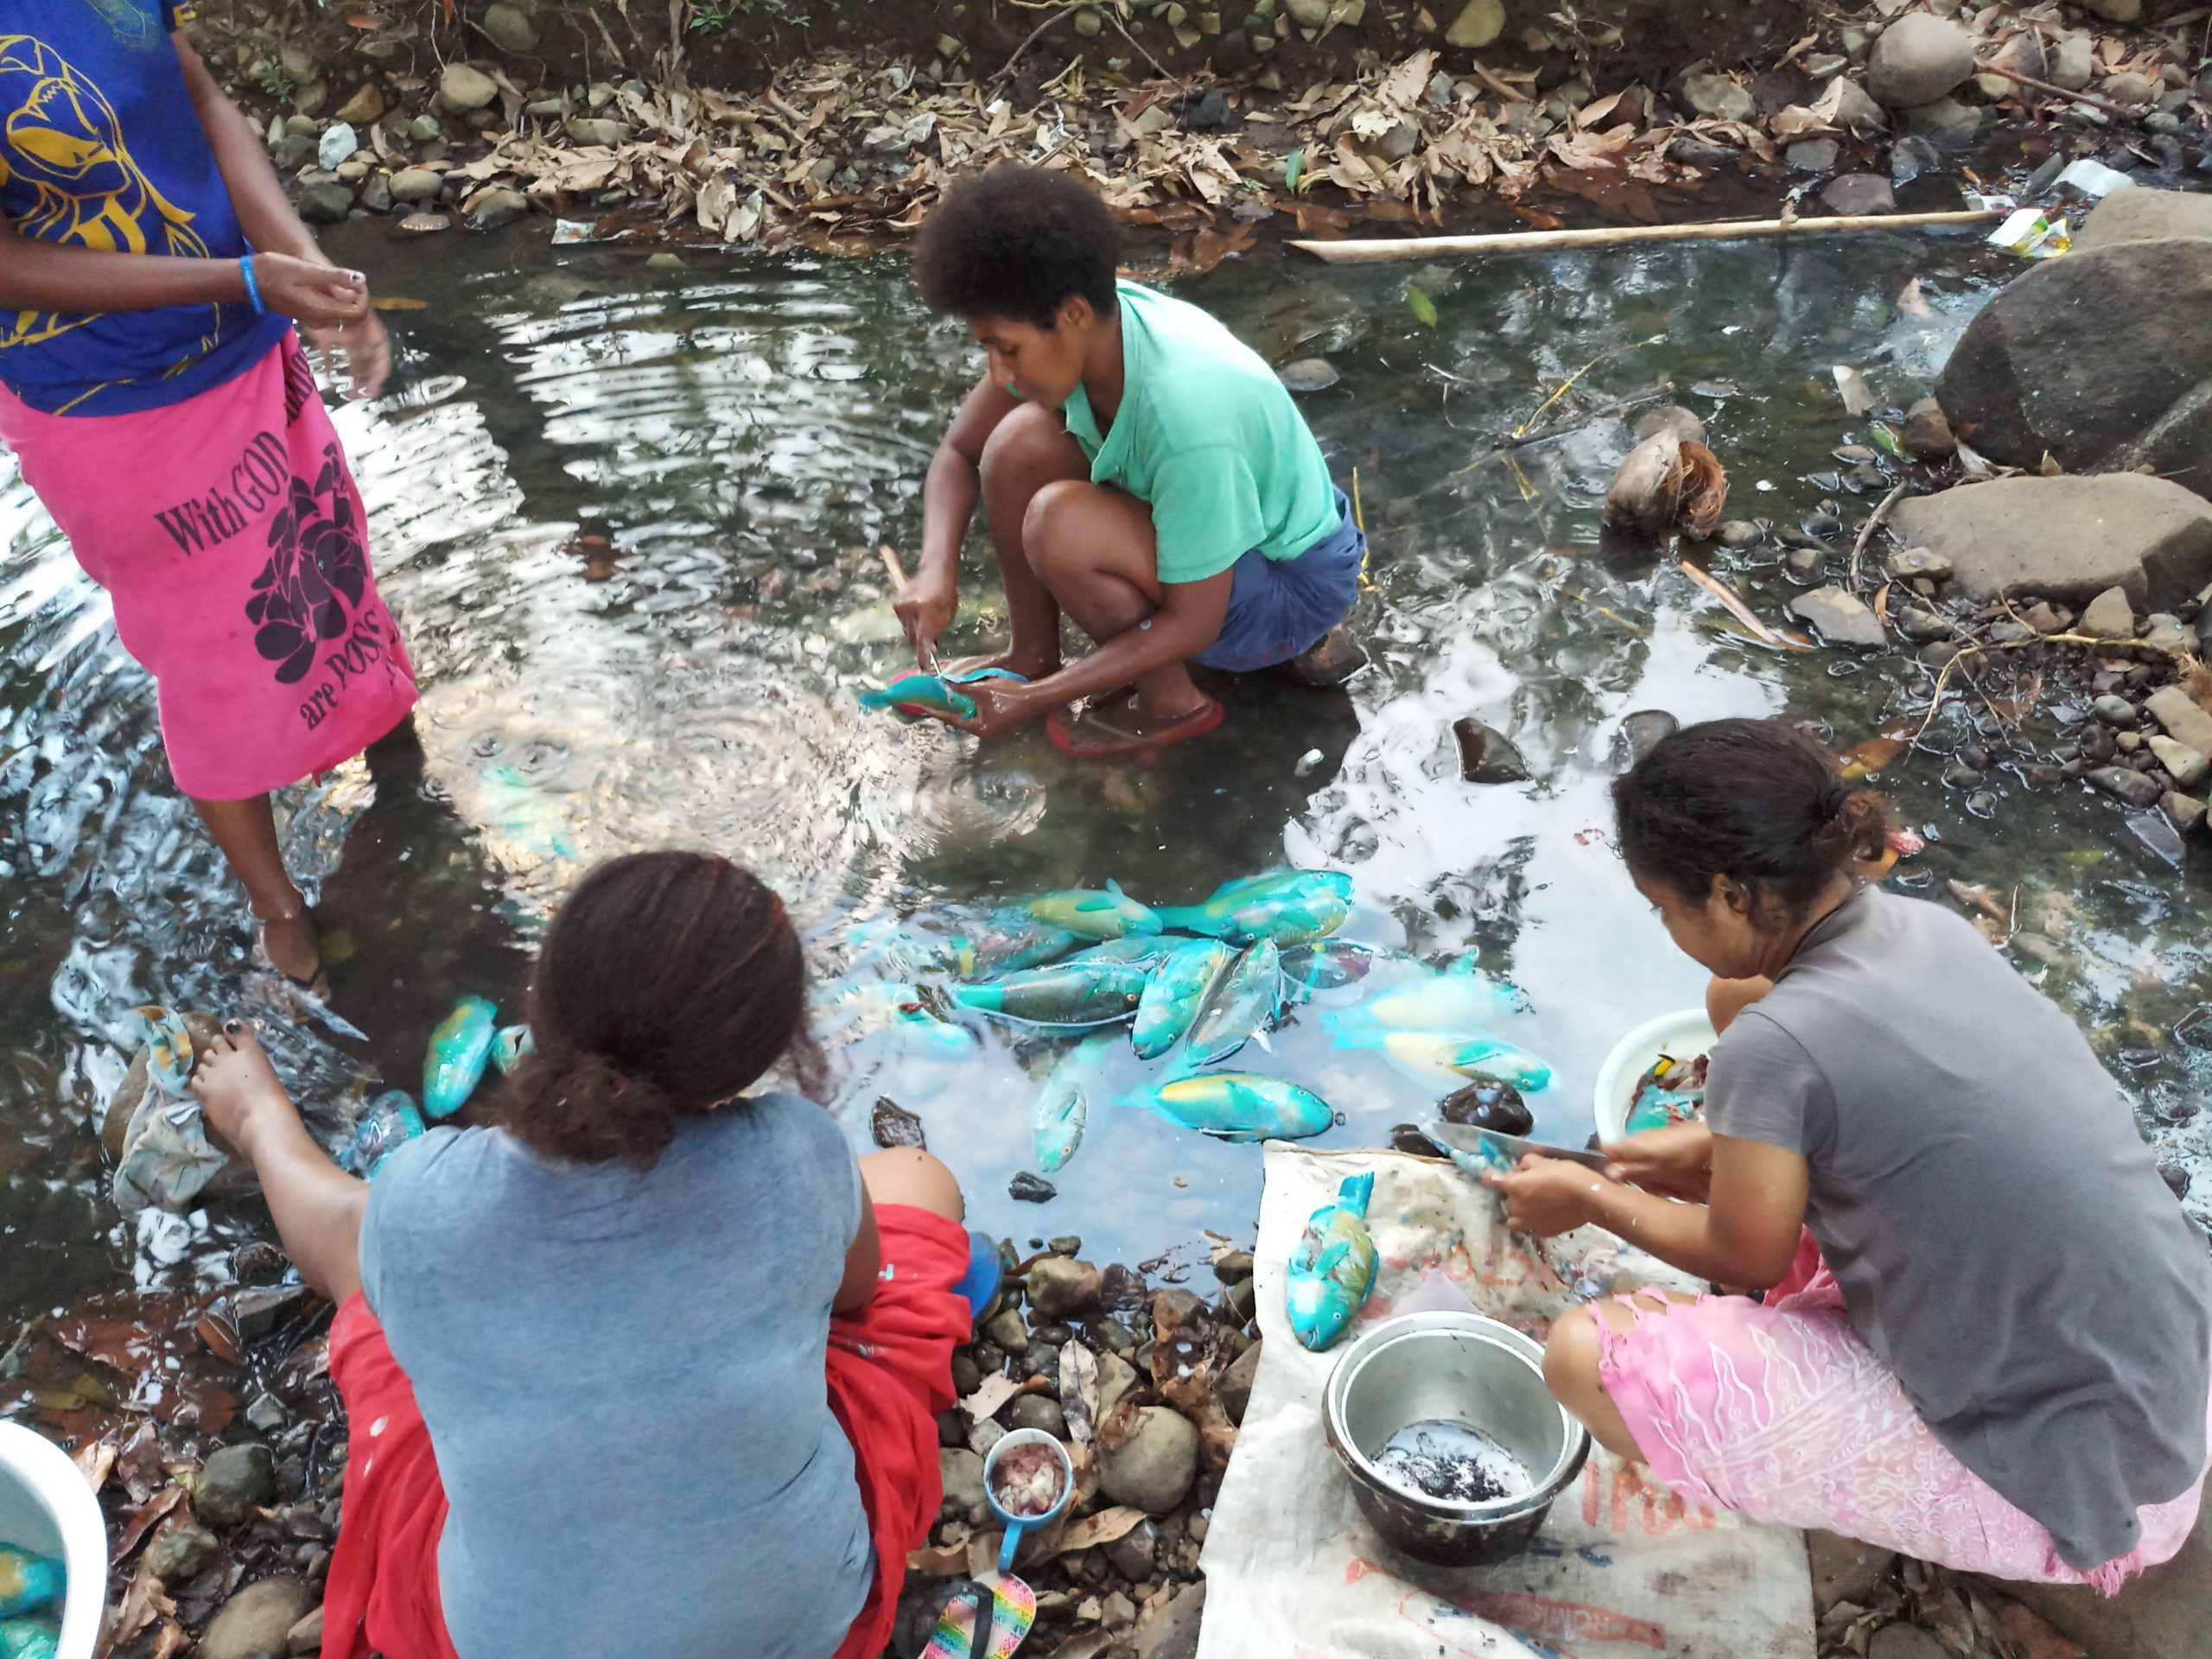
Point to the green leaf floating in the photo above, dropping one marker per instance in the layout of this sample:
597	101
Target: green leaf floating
1423	307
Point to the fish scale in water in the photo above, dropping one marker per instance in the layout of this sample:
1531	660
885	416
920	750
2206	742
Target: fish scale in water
1451	1462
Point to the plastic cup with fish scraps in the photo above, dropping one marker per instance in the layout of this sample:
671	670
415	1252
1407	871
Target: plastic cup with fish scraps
1028	1480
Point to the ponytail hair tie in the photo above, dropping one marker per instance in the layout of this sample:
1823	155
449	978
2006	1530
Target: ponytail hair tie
1832	801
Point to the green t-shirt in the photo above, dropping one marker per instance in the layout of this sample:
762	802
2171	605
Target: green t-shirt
1208	438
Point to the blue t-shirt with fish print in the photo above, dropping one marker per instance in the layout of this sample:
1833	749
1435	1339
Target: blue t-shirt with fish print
100	148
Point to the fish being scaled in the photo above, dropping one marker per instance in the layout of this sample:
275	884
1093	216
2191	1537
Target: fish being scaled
1014	939
460	1050
1063	1108
169	1049
1333	1268
1328	966
1092	913
1241	1007
1237	1106
1445	1057
1174	995
921	691
1066	994
1456	1000
509	1045
1289	906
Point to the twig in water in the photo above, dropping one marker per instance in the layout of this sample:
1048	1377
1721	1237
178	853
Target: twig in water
1567	384
1633	627
1984	648
1164	74
1510	94
1030	39
1561	429
2056	90
1866	530
1766	635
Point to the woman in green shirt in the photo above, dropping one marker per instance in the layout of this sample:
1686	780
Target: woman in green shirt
1143	471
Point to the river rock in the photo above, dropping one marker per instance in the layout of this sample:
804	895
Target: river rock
2067	539
466	88
961	1471
511	28
1117	1377
181	1554
1900	1641
596	129
2140	213
1916	563
1859	193
2073	61
1927	435
1032	1189
1035	1411
2184	812
490	209
1921	626
1813	155
1059	1287
306	1637
1008	1331
2141	396
1946	121
891	1125
326	204
2109	616
1308	374
2183	765
1856	111
2125	784
1841	618
423	224
255	1622
1479	22
1169	1629
416	184
364	107
1918	59
2182	716
1719	96
1670	418
1487	755
234	1481
2129	90
1153	1469
1235	1389
2116	712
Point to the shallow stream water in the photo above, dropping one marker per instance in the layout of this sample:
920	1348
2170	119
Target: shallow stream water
744	435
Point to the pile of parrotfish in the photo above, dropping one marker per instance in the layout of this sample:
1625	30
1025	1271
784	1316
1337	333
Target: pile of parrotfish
1194	984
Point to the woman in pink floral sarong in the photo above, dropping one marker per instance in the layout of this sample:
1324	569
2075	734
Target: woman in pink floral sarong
1987	1327
158	401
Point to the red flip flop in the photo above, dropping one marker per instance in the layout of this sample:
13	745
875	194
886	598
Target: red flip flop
1090	733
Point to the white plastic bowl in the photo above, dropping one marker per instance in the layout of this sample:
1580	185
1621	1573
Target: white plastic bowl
46	1506
1683	1035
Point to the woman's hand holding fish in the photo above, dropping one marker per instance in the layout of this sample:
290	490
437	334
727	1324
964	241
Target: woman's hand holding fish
1550	1195
1676	1162
1001	706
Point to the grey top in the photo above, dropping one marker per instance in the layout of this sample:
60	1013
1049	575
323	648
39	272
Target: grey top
623	1371
2000	1232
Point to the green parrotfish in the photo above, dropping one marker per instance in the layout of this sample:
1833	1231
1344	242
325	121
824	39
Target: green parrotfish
1065	994
1063	1108
1095	914
1333	1268
1172	998
927	691
1243	1005
1237	1106
1287	906
460	1050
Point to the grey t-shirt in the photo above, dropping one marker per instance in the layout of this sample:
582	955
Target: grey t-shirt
623	1371
2000	1232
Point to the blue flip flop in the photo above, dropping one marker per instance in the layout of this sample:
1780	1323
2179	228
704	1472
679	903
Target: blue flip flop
986	1271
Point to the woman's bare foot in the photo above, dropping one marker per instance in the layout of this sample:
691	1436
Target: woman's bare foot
236	1085
289	942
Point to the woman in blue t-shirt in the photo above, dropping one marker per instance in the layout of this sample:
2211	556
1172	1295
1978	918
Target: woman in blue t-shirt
156	395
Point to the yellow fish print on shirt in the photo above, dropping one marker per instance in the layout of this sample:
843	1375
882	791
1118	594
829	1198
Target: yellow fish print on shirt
63	140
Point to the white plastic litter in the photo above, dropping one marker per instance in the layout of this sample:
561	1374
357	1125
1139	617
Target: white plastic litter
2090	177
1622	1569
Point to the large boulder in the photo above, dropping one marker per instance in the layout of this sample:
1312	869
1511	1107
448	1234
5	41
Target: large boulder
2102	359
2138	214
1918	60
2067	539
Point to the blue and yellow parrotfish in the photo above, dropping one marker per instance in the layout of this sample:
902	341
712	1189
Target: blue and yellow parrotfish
855	1011
1333	1268
1063	1109
509	1045
1446	1057
28	1582
1064	995
1241	1007
1014	939
1459	1001
168	1050
1327	966
38	1637
1174	995
1237	1106
460	1050
927	691
1134	949
391	1120
1094	914
1289	906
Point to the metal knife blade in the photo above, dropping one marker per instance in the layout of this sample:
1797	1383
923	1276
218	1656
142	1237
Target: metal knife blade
1496	1150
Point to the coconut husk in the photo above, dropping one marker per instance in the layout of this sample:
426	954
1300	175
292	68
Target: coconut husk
1668	482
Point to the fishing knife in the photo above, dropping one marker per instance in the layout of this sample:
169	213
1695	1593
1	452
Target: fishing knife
1493	1149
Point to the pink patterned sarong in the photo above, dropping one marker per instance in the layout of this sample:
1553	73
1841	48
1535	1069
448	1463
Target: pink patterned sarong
230	536
1780	1411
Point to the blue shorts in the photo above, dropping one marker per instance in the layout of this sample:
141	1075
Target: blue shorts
1280	607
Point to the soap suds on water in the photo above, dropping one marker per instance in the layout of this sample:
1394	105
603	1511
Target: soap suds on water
1443	1459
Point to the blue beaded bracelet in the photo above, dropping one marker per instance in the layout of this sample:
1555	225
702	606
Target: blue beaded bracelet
253	286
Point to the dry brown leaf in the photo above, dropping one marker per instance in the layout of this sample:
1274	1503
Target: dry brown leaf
1781	638
1912	302
1079	1390
95	1461
950	1562
991	1398
984	1552
1865	759
1093	1530
147	1518
1797	121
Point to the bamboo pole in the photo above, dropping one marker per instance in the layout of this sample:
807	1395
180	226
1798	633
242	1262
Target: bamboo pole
1383	250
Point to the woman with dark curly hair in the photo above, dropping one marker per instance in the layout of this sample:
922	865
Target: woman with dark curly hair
1143	472
654	1365
155	394
1987	1323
